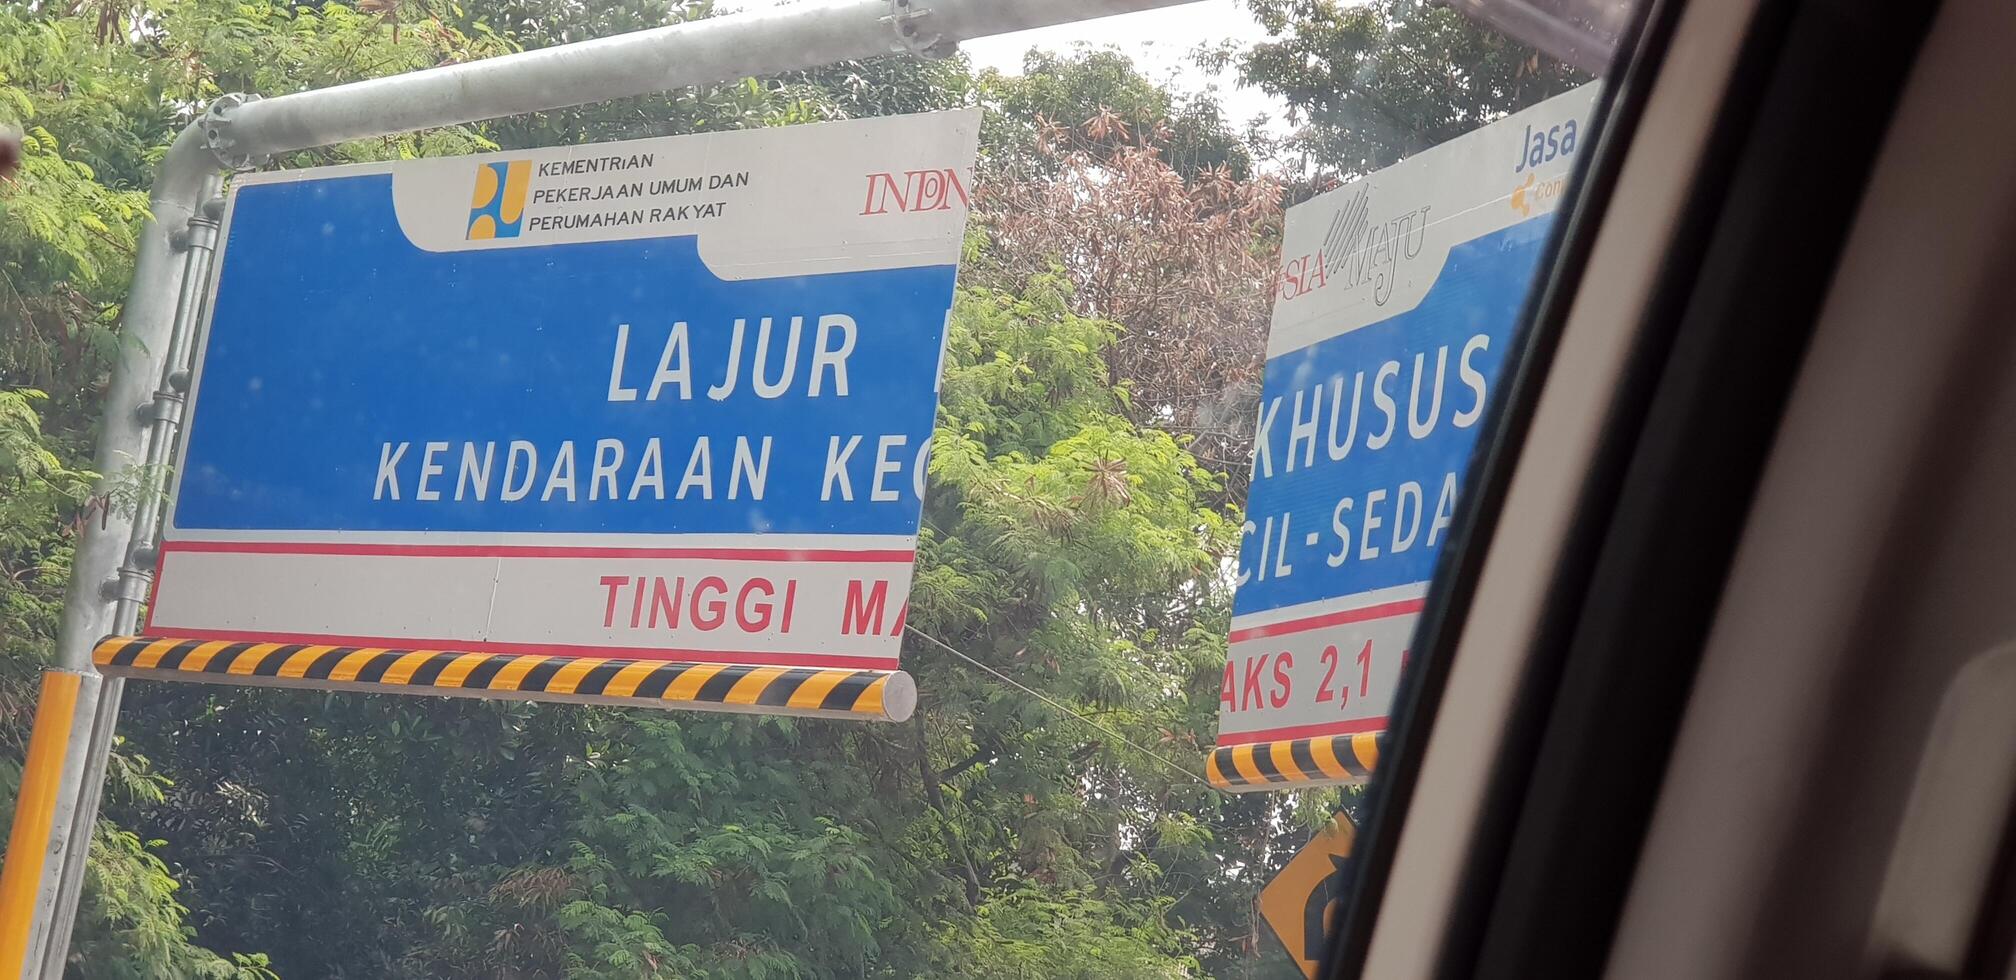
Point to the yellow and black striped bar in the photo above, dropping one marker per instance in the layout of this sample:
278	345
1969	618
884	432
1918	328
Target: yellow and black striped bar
824	692
1293	763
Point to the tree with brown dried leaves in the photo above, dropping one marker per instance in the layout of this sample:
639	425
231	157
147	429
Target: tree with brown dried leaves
1184	266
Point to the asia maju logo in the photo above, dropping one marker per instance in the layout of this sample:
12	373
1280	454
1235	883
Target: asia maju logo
1359	250
914	190
497	207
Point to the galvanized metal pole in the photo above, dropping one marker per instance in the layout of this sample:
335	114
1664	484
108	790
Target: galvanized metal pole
89	607
147	328
162	416
107	583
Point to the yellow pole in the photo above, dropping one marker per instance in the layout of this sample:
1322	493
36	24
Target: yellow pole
35	816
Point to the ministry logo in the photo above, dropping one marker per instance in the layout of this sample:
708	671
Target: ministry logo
497	207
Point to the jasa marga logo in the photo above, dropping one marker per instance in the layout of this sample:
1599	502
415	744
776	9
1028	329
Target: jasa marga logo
497	208
1538	148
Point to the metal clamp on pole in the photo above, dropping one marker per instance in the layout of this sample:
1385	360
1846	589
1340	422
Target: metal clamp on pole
218	126
909	21
127	586
164	409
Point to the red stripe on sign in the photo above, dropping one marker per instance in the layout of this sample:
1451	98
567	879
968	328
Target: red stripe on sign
759	658
535	551
1355	727
1384	610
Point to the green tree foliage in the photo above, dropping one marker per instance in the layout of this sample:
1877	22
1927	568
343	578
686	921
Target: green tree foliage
1038	934
1378	80
1071	89
66	240
35	487
1183	266
66	223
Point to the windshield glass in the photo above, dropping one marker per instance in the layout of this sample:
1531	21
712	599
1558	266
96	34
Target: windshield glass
953	507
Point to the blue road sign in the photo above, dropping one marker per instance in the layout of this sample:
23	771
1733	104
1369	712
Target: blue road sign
666	398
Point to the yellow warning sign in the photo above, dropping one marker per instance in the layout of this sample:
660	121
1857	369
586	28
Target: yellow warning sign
1301	901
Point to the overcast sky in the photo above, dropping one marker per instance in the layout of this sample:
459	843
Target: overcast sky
1159	41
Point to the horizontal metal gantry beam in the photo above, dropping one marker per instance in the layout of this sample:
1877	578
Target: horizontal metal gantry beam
717	49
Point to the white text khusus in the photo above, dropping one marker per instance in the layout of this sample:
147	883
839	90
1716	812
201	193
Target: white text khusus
1327	422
